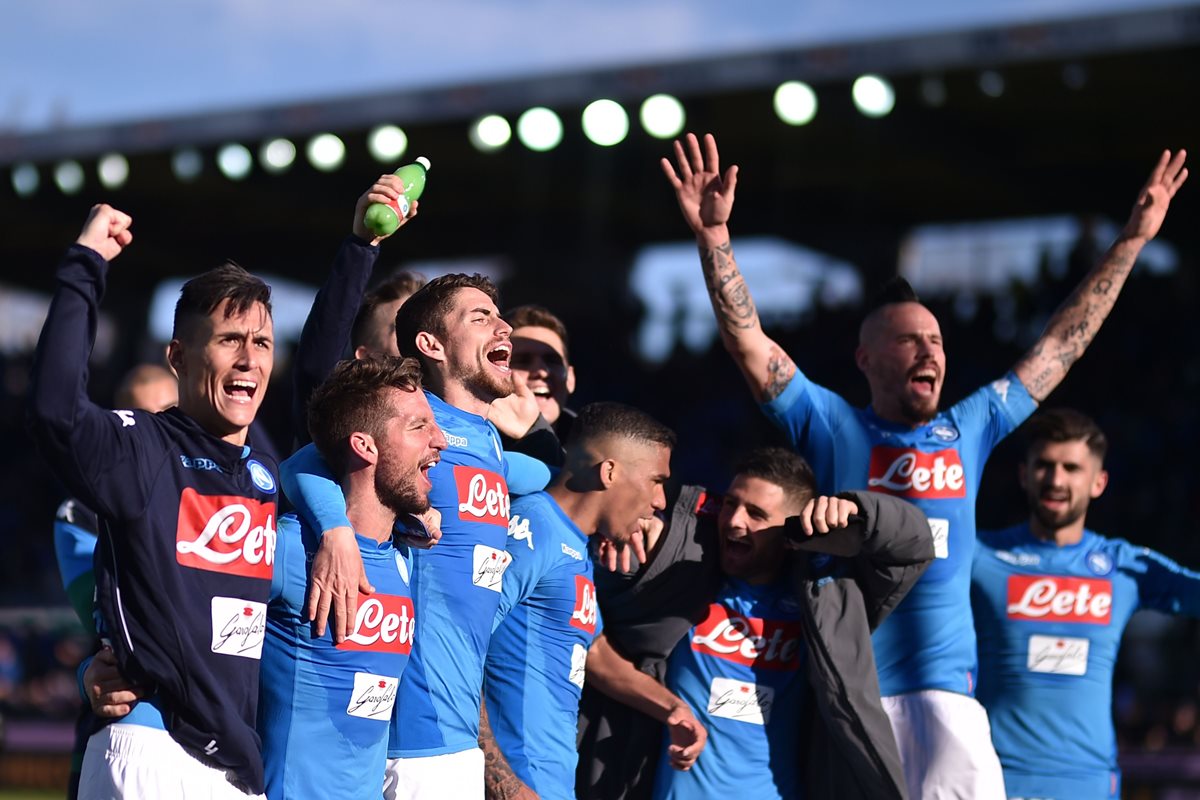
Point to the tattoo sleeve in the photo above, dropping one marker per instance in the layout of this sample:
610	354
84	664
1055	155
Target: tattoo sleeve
499	780
727	288
1077	321
780	371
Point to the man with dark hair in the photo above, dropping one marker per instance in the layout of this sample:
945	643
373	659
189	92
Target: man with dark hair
1051	600
611	484
540	356
374	427
163	485
453	328
374	329
534	419
737	629
904	445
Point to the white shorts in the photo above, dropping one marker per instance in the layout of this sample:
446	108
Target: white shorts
945	746
456	775
131	762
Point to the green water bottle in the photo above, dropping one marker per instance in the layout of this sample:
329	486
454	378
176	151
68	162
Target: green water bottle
382	219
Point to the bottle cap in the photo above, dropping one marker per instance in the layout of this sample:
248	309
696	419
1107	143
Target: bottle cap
424	162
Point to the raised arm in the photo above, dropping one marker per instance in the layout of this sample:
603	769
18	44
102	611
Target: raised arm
1076	322
82	441
611	673
706	200
326	333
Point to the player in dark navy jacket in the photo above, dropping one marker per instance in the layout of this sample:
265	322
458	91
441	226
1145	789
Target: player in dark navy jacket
902	445
186	517
1051	600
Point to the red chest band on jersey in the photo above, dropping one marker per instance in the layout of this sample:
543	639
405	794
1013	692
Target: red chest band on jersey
585	614
384	623
913	473
1056	598
233	535
482	496
754	642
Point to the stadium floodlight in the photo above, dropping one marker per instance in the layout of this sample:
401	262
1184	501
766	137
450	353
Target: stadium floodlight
795	102
387	143
662	116
326	152
277	155
539	129
25	179
113	170
605	122
1074	76
68	175
490	133
873	96
234	161
933	91
187	164
991	83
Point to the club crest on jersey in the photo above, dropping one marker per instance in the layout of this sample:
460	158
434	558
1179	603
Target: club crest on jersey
585	614
905	472
1099	562
261	476
482	495
750	641
384	623
945	433
1059	598
233	535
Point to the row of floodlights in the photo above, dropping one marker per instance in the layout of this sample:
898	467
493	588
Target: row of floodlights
604	122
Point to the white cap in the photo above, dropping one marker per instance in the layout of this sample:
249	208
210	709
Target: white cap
424	162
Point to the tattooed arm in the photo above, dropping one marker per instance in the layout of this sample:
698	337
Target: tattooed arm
1076	322
499	780
706	199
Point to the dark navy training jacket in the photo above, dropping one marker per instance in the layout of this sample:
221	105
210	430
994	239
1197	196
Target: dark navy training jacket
186	536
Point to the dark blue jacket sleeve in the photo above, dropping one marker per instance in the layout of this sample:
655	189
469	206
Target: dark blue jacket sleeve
99	454
326	334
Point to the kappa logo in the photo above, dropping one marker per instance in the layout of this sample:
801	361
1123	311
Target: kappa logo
453	440
261	476
233	535
518	529
66	512
126	417
197	462
905	472
570	551
1000	387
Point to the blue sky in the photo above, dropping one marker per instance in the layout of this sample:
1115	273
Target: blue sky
78	62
